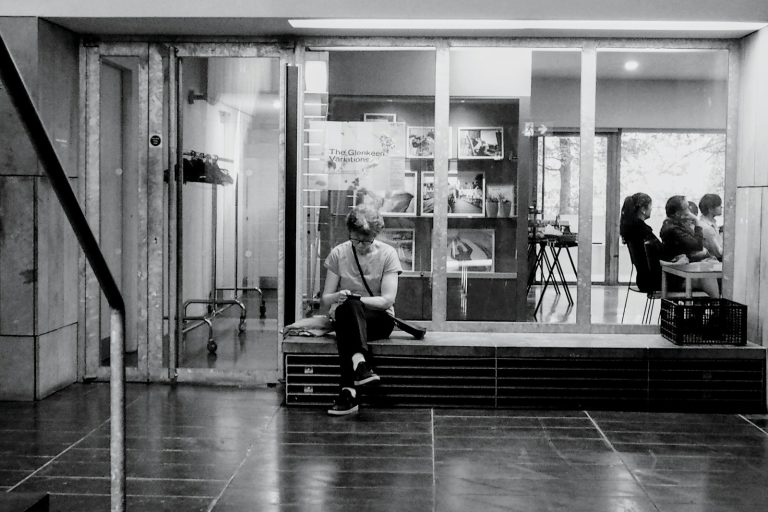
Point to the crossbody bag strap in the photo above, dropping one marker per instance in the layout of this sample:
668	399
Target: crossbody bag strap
359	268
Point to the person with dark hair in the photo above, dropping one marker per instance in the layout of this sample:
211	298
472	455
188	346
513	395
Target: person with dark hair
679	239
711	205
357	316
634	212
635	233
676	234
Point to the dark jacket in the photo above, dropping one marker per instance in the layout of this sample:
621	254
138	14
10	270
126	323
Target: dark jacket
636	229
677	238
636	233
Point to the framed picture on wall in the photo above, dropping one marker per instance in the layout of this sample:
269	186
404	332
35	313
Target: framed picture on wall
471	250
393	203
404	243
466	194
379	117
421	142
481	143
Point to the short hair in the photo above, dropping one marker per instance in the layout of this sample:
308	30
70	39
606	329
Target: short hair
675	204
709	202
366	220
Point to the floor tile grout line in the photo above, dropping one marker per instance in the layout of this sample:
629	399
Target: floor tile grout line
434	473
216	499
100	425
758	427
623	462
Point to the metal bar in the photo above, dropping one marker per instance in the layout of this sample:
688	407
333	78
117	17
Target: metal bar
33	124
179	215
117	410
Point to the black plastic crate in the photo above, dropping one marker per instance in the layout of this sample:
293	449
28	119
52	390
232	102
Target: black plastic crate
703	320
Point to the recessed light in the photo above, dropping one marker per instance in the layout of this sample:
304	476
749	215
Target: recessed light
631	65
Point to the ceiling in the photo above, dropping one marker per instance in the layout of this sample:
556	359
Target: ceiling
269	17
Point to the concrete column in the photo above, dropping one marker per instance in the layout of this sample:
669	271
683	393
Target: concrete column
38	251
749	246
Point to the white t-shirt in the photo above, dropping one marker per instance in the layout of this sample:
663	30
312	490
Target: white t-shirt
382	259
713	241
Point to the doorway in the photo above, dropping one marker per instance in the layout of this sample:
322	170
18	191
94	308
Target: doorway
228	193
185	186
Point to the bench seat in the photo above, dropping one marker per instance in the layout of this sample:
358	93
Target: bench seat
539	370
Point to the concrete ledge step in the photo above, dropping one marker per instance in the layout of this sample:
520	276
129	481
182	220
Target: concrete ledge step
24	502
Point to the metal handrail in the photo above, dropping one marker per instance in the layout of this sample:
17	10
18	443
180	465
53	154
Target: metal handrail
30	118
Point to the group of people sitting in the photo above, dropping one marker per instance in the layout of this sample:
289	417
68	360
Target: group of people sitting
683	235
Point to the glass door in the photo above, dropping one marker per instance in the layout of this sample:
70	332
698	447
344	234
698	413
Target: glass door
228	183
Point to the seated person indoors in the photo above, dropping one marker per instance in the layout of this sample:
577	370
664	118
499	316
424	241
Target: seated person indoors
711	205
681	233
635	232
359	317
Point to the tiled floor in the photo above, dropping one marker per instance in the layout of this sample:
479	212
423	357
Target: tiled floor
198	449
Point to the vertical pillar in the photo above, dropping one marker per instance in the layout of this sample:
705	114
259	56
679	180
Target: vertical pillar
38	251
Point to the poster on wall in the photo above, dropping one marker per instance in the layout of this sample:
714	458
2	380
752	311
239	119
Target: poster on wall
466	194
392	202
470	250
421	142
481	143
363	155
403	241
379	117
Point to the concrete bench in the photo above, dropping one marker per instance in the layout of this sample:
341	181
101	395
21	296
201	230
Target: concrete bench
539	370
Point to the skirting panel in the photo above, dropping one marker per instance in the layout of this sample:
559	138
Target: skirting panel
639	381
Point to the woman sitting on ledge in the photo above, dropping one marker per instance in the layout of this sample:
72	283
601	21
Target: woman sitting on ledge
359	317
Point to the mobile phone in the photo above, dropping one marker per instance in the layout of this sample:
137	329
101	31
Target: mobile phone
353	296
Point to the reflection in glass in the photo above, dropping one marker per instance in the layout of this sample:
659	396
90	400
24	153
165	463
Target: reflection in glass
230	147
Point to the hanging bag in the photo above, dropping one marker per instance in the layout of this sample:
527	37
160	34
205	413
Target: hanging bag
415	331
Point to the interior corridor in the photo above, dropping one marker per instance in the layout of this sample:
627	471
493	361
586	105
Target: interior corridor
224	449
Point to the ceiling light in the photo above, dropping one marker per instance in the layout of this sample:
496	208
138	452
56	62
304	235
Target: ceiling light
491	24
631	65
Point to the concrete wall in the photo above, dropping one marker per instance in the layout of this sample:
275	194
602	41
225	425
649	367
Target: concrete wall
38	251
750	284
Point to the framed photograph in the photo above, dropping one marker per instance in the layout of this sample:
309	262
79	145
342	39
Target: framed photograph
466	196
421	142
471	250
404	243
481	143
500	200
392	203
380	117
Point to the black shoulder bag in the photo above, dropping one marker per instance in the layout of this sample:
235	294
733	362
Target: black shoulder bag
416	332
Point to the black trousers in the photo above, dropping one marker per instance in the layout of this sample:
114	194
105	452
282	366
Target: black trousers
355	326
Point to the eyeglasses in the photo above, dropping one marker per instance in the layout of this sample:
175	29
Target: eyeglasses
361	243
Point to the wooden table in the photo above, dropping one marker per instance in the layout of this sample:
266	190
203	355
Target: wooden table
697	270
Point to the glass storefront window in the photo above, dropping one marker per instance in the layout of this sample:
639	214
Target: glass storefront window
514	166
370	138
514	118
668	108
